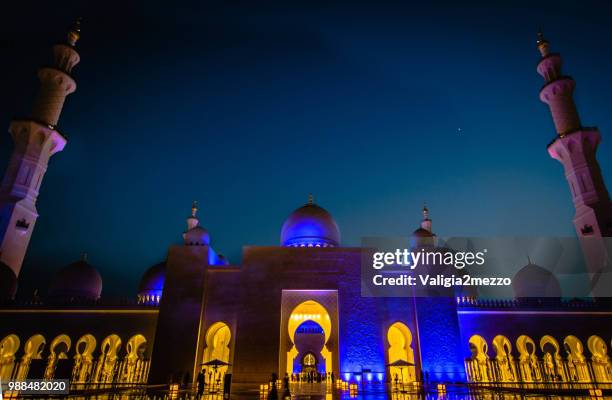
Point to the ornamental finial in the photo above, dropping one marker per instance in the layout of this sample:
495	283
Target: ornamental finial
425	211
74	33
542	44
194	208
310	199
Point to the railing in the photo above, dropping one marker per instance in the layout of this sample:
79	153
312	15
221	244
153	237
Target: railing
534	370
83	374
537	303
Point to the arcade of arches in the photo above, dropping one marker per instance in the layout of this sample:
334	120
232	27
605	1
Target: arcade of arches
543	361
82	361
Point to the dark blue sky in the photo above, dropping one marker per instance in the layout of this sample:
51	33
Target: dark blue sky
249	106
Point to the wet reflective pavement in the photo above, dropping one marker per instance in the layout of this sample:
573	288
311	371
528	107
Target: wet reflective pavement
316	391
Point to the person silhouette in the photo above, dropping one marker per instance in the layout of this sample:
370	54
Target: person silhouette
273	394
201	383
286	392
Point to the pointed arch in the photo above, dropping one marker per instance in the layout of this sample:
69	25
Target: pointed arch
479	359
602	368
32	350
57	351
83	358
309	310
504	359
109	349
8	347
134	365
577	365
553	368
528	361
399	338
218	338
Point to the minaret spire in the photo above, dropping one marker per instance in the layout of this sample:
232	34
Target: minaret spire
575	147
426	222
192	220
36	140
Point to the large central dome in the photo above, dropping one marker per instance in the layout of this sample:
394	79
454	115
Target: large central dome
310	226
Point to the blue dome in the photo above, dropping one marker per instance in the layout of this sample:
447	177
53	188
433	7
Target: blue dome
310	226
152	282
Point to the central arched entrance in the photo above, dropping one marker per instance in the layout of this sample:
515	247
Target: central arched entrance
309	363
309	329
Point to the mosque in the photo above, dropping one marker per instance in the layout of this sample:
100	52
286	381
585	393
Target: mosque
295	307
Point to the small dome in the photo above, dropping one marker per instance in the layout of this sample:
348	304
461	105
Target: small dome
196	236
310	226
535	281
8	282
79	280
422	238
421	232
152	281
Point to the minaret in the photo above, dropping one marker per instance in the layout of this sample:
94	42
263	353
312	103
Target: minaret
575	147
192	220
36	140
426	222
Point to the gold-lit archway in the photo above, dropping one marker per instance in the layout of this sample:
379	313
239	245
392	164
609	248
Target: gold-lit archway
218	339
578	368
83	358
57	351
309	310
400	348
133	363
503	357
8	347
32	350
108	358
480	358
602	368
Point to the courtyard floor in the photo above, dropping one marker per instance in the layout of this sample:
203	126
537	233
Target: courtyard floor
319	391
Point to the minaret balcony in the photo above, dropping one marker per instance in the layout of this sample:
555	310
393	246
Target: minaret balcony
562	86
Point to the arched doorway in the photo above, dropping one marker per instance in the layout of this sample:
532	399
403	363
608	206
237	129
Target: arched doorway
218	339
134	362
479	358
8	348
109	349
309	363
309	329
58	354
400	348
83	358
32	353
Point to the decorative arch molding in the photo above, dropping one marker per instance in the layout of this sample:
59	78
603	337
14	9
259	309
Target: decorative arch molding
399	340
8	348
504	359
600	360
32	350
218	338
57	351
83	358
109	349
309	310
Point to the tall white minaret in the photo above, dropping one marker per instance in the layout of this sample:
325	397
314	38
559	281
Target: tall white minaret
575	146
36	140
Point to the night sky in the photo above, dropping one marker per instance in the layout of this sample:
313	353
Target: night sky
249	106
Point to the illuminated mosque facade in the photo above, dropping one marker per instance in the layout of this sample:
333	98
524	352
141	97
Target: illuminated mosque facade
295	307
